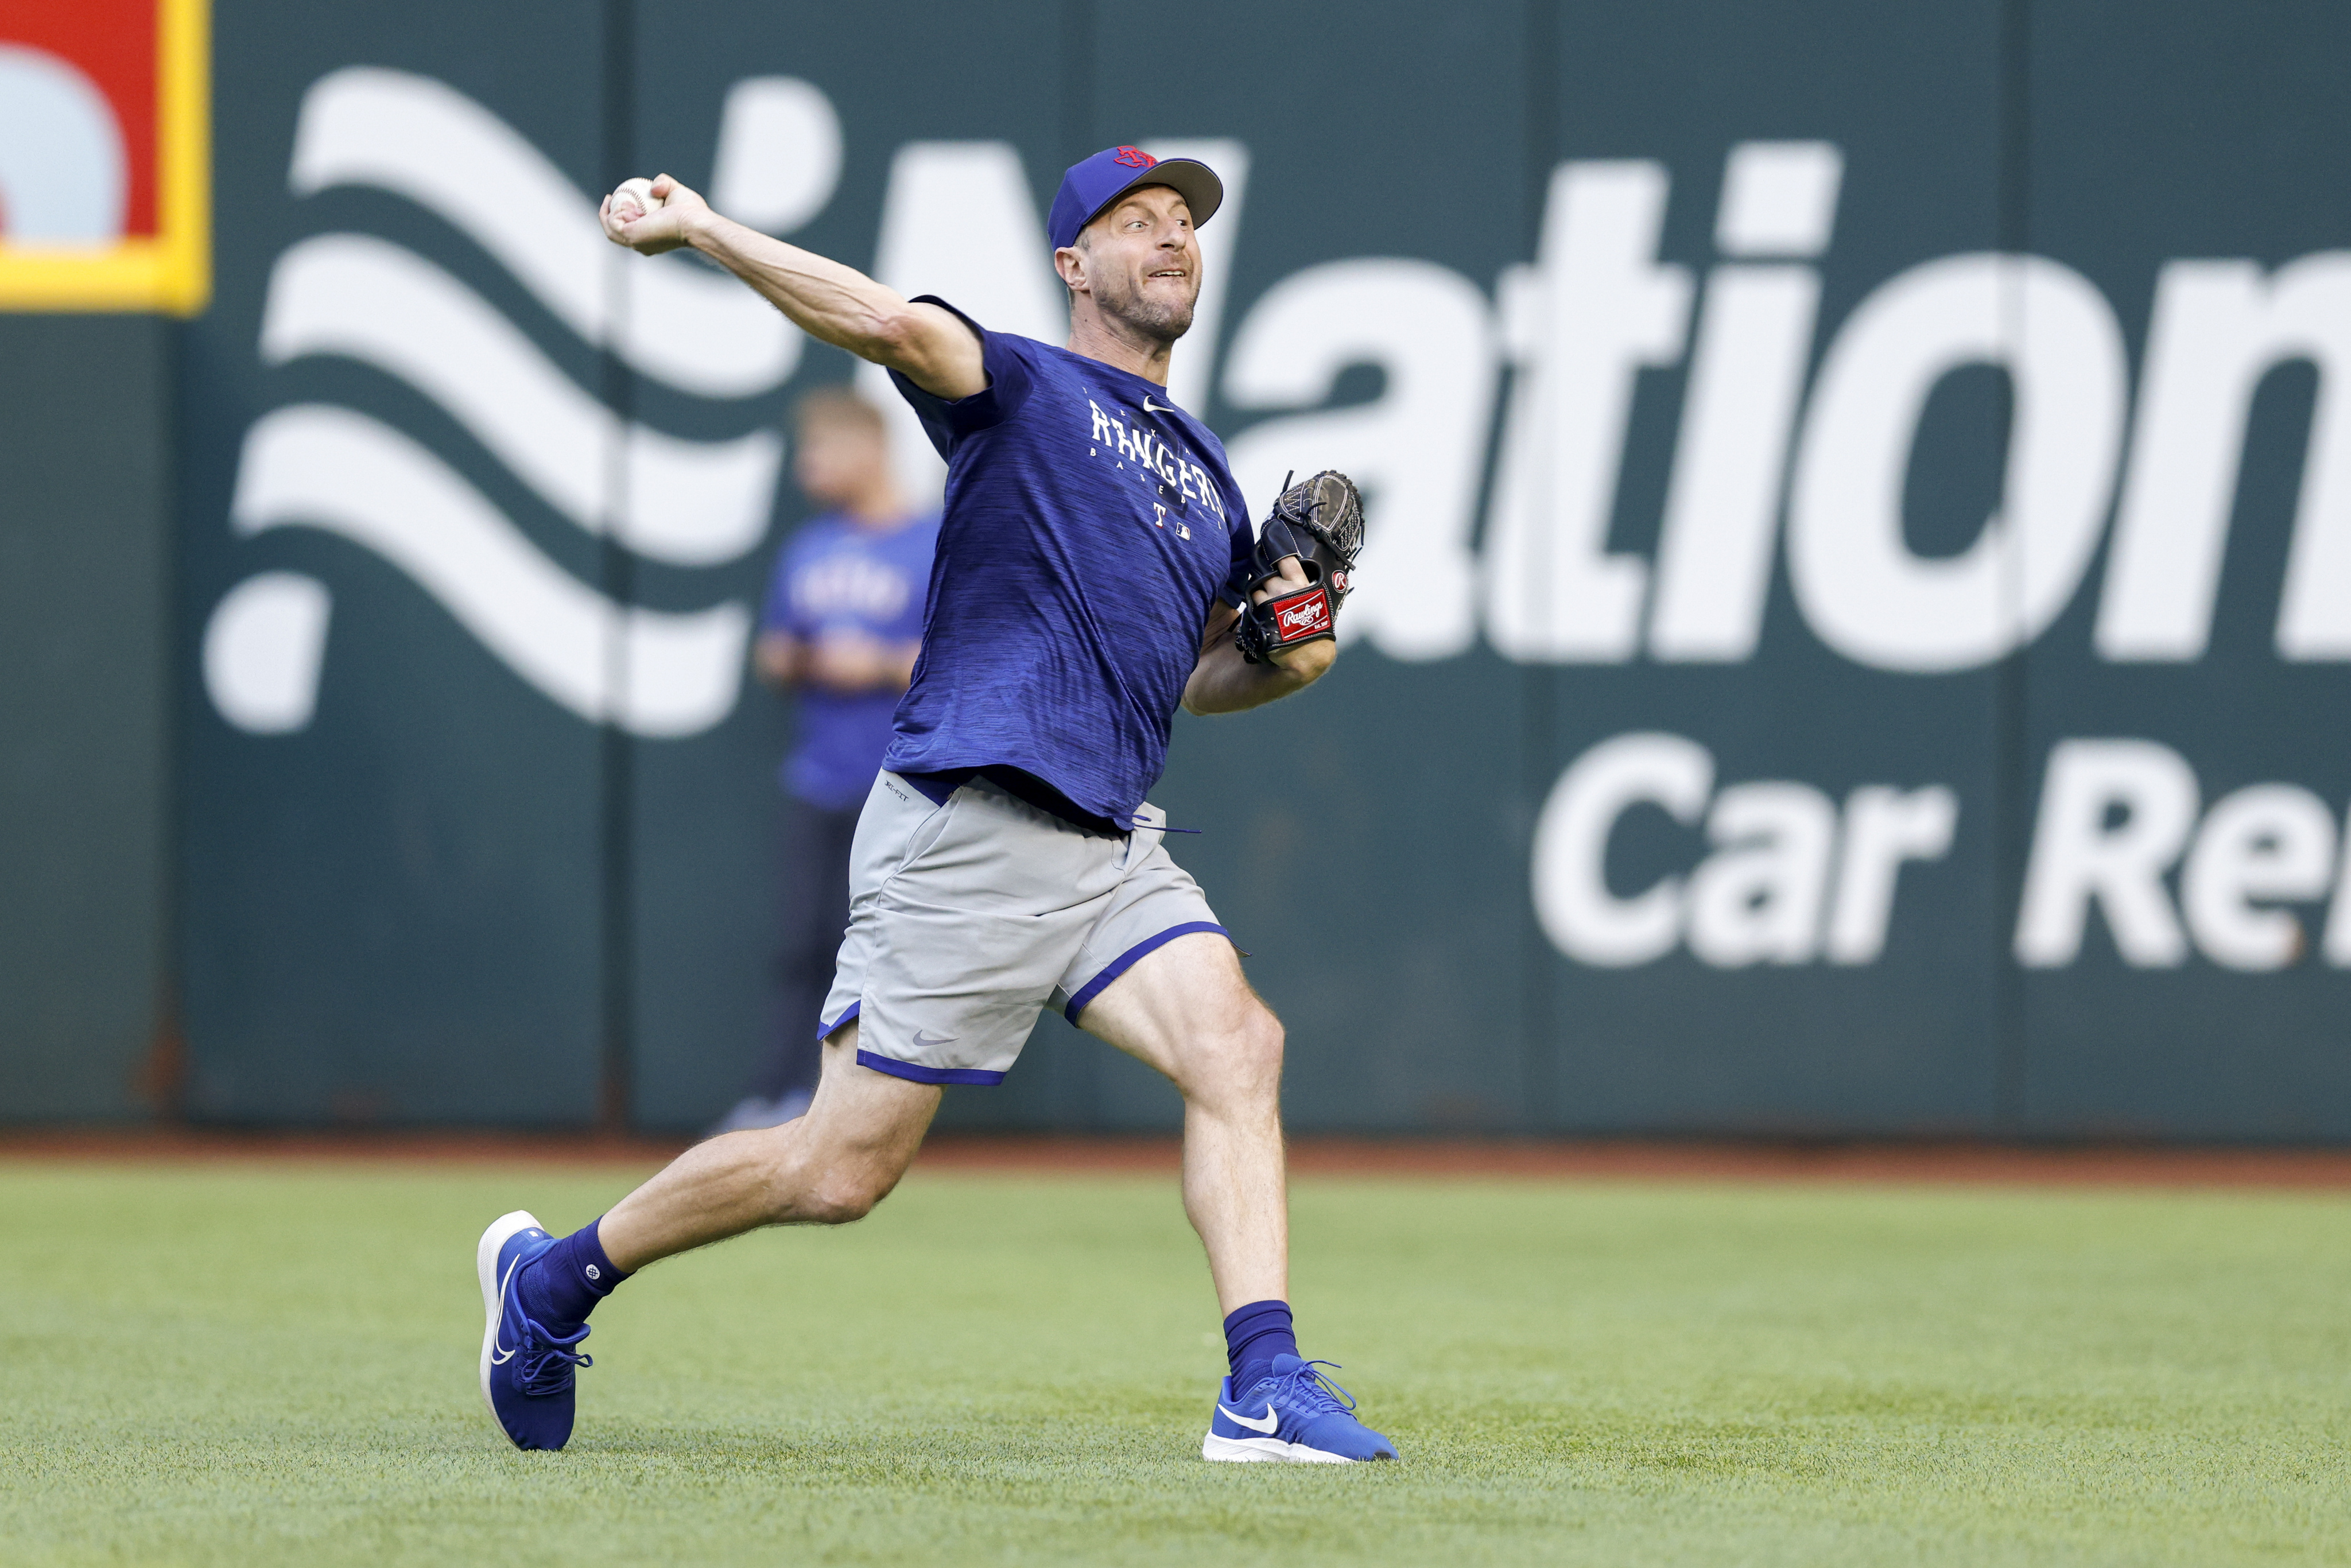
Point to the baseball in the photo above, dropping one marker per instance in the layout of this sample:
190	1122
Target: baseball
638	194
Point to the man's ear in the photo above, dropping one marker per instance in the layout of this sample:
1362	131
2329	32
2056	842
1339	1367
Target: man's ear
1072	265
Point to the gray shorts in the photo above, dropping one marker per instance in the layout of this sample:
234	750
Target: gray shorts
966	919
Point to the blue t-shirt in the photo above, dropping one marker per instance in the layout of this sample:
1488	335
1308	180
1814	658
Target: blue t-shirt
836	577
1088	529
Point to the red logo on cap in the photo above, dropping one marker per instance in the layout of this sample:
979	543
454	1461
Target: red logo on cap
1134	158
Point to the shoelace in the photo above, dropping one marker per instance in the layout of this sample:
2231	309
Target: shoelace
547	1361
1310	1391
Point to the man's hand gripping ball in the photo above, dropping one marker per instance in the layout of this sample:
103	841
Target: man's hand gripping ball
1320	522
649	216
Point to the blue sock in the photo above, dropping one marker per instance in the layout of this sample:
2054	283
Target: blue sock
1254	1335
562	1285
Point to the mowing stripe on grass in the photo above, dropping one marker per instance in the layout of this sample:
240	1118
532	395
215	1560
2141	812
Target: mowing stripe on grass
256	1364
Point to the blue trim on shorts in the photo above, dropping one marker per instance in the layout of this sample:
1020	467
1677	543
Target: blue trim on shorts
824	1031
977	1076
1127	960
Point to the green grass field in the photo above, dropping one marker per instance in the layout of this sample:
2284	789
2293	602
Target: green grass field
256	1364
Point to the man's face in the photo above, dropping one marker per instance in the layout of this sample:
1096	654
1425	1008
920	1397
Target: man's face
1141	262
837	459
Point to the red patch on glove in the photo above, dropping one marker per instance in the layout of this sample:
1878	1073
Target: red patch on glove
1311	613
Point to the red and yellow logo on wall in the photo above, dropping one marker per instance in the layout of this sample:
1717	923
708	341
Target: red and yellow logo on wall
105	155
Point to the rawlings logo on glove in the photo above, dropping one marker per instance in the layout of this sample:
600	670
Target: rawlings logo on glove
1309	612
1320	521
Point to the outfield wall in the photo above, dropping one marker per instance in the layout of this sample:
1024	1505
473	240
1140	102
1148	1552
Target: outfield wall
86	715
1859	592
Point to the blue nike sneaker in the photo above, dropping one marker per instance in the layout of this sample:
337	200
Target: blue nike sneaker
526	1372
1294	1415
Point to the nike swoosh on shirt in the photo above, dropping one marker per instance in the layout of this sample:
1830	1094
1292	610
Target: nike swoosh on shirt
1267	1424
1147	407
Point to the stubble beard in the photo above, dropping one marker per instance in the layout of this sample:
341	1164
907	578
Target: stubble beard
1161	320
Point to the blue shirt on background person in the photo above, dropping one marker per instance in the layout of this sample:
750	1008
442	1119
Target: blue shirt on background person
843	579
840	632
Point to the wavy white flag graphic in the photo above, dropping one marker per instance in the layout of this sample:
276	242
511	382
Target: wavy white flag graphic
424	140
360	297
315	465
688	502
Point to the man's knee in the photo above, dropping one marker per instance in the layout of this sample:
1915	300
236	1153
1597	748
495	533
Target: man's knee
1242	1058
810	1182
1261	1043
839	1198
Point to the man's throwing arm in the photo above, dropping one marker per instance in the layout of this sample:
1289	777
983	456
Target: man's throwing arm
836	304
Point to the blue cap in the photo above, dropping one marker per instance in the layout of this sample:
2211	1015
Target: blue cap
1097	182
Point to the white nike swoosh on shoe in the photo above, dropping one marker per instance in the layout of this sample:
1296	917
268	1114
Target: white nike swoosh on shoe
1266	1426
493	1281
504	1354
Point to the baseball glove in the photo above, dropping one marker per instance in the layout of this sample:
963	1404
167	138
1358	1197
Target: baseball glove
1320	521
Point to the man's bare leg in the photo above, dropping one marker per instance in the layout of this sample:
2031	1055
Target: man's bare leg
829	1166
832	1164
1187	1009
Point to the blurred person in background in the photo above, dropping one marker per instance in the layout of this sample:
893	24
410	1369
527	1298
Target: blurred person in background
843	625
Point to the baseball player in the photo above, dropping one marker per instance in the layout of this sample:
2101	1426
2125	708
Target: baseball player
1095	568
